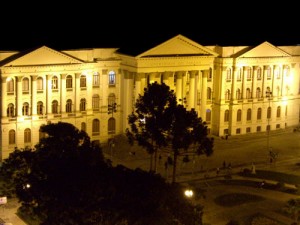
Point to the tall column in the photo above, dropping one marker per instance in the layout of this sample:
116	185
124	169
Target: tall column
192	92
4	97
204	93
127	97
244	80
33	95
138	85
48	94
89	90
179	87
254	82
168	79
63	94
77	92
19	96
234	80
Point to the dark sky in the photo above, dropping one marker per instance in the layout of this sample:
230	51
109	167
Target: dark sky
87	24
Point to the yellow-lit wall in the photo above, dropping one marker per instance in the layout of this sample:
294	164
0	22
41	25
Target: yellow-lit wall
189	75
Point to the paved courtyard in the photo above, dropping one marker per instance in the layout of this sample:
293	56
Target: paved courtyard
241	152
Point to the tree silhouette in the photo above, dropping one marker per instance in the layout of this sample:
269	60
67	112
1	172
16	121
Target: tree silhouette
159	122
149	123
66	180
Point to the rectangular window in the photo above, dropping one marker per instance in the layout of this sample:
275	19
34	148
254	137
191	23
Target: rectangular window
96	80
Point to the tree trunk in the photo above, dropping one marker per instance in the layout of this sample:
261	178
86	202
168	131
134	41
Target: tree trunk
155	160
151	162
174	167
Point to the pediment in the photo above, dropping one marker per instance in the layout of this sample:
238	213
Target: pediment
41	56
178	46
264	50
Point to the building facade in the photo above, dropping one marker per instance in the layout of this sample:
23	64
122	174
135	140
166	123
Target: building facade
235	90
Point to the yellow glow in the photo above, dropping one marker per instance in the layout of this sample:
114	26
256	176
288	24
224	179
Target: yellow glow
284	101
189	193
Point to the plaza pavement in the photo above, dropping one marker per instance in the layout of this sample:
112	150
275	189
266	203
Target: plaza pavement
240	151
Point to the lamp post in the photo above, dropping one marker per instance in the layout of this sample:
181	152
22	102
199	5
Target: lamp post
198	209
269	113
112	108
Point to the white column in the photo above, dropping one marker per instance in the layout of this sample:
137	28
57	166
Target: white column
48	93
33	96
63	94
77	93
4	97
179	87
204	93
19	96
192	90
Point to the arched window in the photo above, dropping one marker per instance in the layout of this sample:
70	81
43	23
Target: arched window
258	93
278	114
258	114
227	95
209	93
69	106
111	78
95	102
111	126
96	127
82	105
25	85
248	72
249	114
10	110
39	84
226	116
82	81
248	93
111	99
55	107
25	109
96	79
39	109
27	135
54	83
12	137
258	73
228	74
10	85
239	115
69	81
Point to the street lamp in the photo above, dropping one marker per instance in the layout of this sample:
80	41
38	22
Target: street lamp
188	193
269	113
198	209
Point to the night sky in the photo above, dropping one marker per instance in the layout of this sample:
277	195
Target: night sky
139	24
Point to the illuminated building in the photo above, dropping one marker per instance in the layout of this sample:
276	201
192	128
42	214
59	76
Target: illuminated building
227	86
